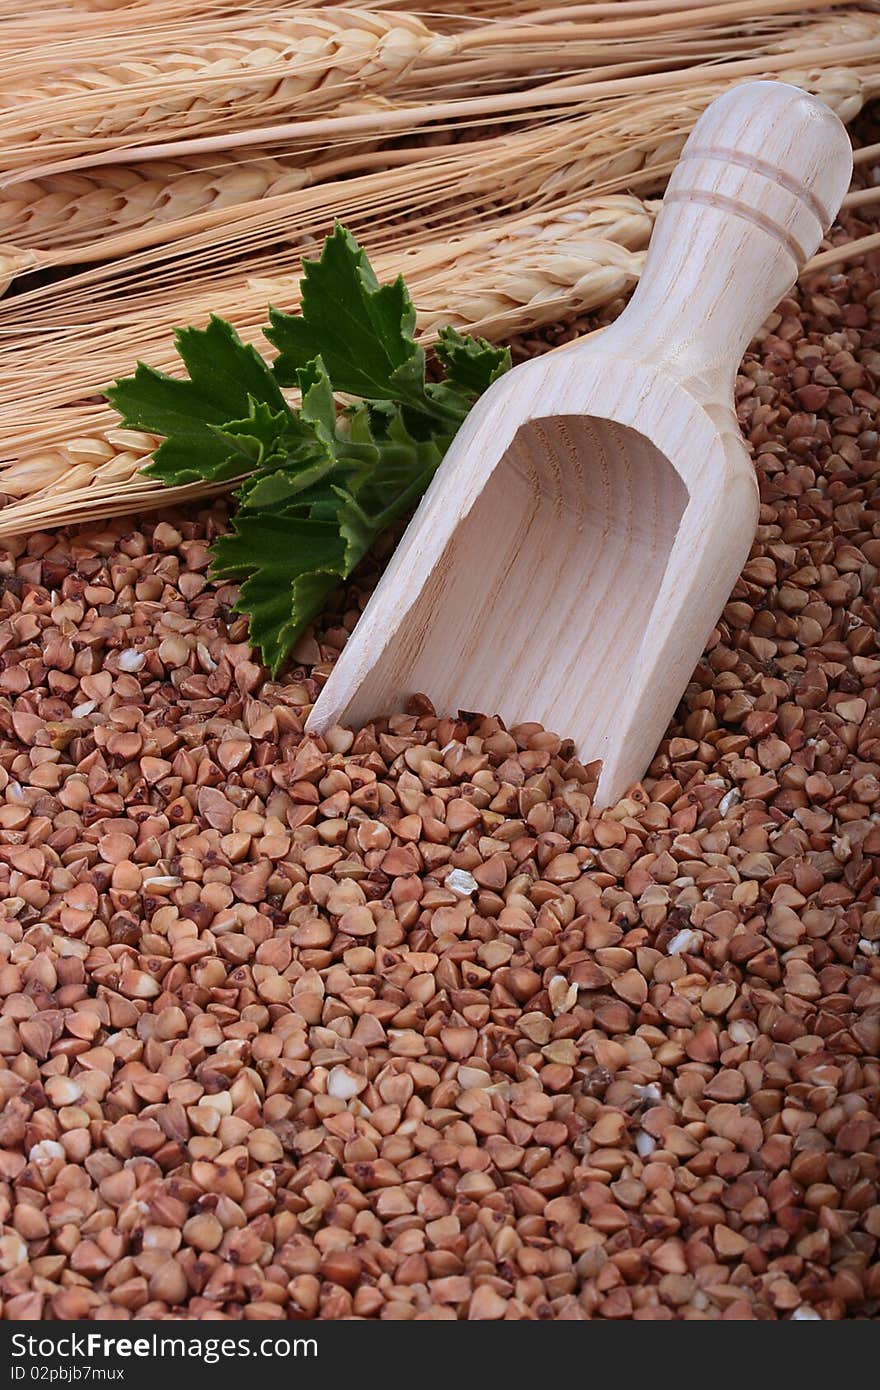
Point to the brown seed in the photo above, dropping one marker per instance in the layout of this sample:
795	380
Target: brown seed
458	1042
631	986
203	1232
115	847
342	1267
718	999
486	1304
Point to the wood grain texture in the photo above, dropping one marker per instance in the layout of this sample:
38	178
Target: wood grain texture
593	513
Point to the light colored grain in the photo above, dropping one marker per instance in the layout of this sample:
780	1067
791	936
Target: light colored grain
40	213
207	75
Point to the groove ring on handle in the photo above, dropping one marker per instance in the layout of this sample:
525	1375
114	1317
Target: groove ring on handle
768	171
738	209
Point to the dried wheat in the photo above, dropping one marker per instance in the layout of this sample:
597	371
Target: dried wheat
76	211
80	209
204	77
76	101
628	143
805	56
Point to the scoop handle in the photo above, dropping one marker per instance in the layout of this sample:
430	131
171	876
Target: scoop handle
759	181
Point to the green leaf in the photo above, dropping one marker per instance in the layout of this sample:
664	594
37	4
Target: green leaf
308	448
403	469
362	330
274	491
227	381
259	437
357	530
471	364
291	564
301	531
318	405
279	613
279	542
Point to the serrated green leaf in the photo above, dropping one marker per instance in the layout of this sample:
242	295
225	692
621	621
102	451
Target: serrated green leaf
154	401
276	491
362	330
278	541
291	564
403	470
257	438
278	613
471	364
225	377
318	405
194	457
357	530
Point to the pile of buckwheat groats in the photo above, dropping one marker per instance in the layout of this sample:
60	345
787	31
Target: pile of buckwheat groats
399	1026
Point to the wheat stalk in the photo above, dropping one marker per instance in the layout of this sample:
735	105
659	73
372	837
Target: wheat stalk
216	75
79	355
40	411
204	77
631	143
93	327
81	210
46	211
114	213
851	39
68	216
529	166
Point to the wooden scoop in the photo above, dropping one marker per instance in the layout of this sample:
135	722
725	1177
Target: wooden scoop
588	523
